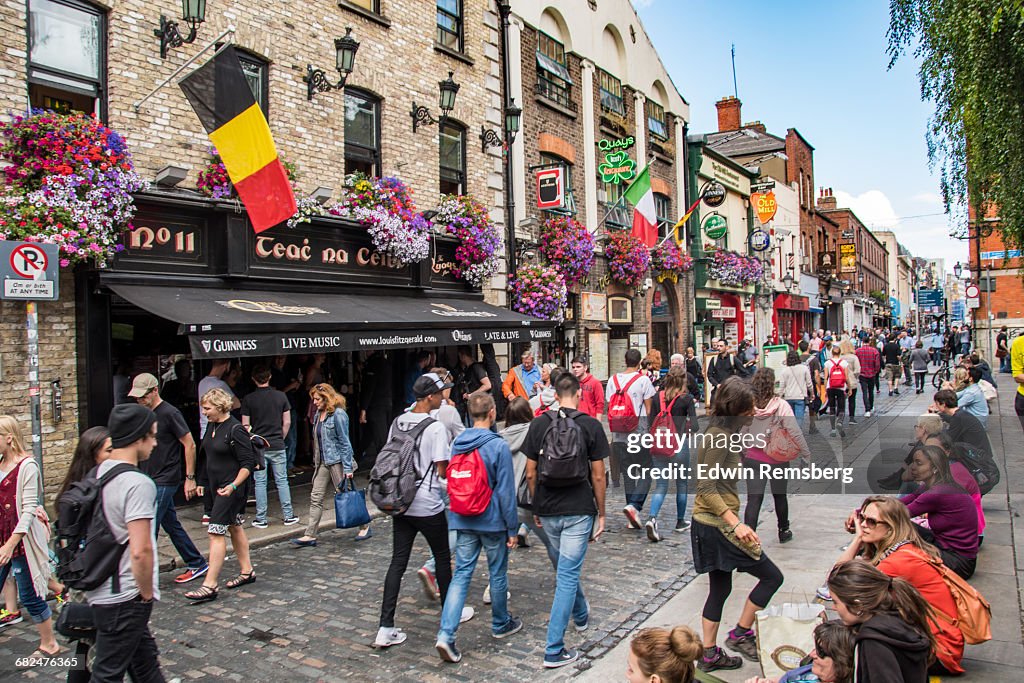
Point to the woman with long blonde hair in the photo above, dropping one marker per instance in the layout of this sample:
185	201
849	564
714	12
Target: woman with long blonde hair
333	457
849	354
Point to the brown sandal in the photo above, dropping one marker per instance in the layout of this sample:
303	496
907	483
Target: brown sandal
242	579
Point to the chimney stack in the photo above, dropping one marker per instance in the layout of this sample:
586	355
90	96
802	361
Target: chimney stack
728	114
758	126
826	201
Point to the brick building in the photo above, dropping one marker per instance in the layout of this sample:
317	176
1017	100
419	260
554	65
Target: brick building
995	266
591	86
103	58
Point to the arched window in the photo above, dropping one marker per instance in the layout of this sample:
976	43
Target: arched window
362	132
453	158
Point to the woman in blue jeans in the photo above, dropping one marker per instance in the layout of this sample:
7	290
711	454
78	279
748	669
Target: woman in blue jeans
795	384
23	532
675	398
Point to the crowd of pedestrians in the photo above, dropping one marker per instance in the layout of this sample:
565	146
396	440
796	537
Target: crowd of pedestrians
444	471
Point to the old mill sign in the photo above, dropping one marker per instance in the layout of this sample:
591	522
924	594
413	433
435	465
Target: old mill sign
765	204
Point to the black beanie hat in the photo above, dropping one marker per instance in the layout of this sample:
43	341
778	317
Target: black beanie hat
128	423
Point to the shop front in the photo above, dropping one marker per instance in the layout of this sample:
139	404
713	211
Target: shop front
790	317
722	314
195	283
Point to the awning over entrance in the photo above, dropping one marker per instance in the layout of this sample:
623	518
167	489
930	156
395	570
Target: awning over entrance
228	322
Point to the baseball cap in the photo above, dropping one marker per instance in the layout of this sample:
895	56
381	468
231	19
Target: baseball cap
429	384
142	385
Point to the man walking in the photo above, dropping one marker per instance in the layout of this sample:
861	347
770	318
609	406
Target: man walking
839	384
267	412
173	439
523	379
481	462
906	342
631	391
568	506
470	377
591	391
891	353
122	606
724	365
870	365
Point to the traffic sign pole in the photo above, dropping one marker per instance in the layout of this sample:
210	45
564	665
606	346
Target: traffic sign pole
32	324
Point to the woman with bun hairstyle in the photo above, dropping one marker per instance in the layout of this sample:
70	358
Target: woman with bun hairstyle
889	619
886	538
660	655
722	543
831	658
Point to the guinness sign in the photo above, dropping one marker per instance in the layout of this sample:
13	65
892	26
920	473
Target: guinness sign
714	194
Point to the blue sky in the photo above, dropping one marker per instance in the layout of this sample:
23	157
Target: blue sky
819	67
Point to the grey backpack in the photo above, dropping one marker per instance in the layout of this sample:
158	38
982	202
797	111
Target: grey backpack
393	479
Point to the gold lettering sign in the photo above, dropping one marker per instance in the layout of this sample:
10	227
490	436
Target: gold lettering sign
271	307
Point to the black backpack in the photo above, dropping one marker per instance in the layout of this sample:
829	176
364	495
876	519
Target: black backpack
562	460
980	464
87	552
393	479
259	446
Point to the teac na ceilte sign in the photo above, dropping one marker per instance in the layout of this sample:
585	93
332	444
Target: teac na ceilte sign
617	166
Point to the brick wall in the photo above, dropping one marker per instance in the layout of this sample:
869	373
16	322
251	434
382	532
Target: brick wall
57	360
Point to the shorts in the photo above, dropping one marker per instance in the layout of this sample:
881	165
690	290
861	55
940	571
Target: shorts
227	511
892	370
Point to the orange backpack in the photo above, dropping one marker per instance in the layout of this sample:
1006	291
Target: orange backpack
973	613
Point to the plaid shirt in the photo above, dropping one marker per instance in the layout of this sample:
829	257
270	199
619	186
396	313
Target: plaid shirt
870	361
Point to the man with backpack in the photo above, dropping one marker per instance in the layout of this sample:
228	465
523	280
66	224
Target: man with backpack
482	494
628	395
565	451
838	385
123	599
405	483
724	365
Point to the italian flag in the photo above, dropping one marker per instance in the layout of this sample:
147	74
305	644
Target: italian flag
641	196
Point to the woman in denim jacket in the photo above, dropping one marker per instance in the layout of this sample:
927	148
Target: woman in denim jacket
333	457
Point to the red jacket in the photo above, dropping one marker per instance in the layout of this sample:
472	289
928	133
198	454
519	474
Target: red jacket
591	396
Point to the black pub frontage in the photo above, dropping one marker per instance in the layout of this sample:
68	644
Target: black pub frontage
195	282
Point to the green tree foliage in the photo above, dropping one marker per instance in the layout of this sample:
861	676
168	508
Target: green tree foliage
972	69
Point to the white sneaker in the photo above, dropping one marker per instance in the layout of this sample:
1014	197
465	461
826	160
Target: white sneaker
867	413
467	614
386	637
823	593
487	595
632	516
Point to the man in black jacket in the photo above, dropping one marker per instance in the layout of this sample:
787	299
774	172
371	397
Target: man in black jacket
724	365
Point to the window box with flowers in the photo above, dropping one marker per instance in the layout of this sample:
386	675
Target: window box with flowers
385	207
539	291
70	183
628	259
568	246
731	269
480	245
668	262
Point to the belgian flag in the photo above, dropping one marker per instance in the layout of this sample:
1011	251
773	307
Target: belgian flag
235	123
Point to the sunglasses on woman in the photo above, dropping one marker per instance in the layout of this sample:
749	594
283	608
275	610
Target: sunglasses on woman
870	522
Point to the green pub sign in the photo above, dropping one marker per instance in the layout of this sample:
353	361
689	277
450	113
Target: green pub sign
618	166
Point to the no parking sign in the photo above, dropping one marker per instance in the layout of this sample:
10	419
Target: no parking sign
29	271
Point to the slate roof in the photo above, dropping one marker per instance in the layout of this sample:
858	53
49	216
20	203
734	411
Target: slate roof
741	145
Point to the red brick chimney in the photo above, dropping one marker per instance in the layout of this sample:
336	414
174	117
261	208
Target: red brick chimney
728	114
758	126
825	199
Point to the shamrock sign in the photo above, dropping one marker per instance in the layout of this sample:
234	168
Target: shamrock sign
617	167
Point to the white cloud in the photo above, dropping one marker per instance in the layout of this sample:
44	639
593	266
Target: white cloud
873	208
928	198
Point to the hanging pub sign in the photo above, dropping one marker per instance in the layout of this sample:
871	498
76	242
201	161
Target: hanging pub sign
714	194
715	226
551	188
618	167
826	262
848	258
759	240
765	205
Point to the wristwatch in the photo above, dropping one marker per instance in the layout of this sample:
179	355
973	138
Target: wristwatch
190	477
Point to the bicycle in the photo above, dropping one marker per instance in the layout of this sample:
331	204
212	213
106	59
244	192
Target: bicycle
944	373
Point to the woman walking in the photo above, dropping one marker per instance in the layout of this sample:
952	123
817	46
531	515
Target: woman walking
849	355
229	463
795	384
771	414
722	543
675	399
333	458
23	534
919	364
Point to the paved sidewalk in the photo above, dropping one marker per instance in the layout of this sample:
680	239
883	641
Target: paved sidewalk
819	535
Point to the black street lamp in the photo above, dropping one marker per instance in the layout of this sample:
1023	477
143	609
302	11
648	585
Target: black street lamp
345	59
448	89
958	270
490	138
193	13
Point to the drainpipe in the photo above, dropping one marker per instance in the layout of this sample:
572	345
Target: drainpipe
505	10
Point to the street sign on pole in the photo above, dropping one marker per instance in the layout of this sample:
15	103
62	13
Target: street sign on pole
930	298
30	272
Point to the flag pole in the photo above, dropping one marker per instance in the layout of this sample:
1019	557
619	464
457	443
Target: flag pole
230	29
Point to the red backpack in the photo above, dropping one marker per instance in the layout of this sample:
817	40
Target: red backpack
622	417
666	426
837	375
541	409
469	489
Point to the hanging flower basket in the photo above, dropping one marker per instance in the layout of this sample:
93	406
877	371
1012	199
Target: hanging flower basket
732	269
568	246
385	207
539	291
480	245
214	182
628	259
70	183
668	262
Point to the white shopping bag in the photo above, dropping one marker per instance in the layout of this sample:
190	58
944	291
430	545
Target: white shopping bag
785	635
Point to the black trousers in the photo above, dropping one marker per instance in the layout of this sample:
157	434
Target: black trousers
1018	407
958	563
755	495
124	644
769	581
435	530
867	393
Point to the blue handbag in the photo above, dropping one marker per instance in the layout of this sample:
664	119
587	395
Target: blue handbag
350	506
